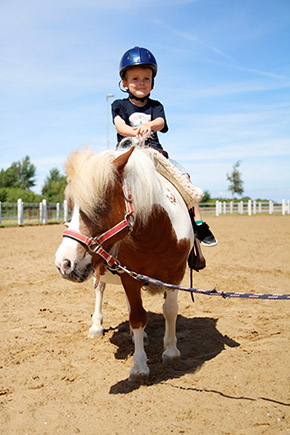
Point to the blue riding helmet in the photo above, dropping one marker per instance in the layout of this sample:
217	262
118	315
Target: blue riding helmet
137	56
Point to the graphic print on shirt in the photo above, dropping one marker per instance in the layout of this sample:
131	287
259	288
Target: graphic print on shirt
138	118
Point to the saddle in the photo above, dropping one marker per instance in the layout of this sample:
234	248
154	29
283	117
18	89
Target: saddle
190	194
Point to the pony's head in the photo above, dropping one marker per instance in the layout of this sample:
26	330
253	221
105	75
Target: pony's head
95	194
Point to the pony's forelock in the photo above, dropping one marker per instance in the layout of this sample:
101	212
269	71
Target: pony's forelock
89	175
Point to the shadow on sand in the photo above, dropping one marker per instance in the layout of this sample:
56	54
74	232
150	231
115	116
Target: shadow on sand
197	339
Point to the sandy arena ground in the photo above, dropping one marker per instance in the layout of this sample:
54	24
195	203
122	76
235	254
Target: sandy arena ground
234	377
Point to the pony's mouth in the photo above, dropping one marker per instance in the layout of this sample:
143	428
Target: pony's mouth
77	275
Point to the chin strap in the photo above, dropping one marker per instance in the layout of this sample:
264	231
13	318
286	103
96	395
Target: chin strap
143	99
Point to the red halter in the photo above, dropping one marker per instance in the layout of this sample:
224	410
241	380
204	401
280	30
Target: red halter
94	244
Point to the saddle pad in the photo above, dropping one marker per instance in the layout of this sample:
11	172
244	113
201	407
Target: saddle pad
191	195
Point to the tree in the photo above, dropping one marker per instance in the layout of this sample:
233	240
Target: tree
12	194
20	174
206	196
236	182
54	186
3	195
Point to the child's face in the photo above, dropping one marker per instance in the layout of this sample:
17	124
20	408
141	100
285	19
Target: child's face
138	81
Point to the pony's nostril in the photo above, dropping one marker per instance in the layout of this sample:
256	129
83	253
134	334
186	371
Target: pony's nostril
66	265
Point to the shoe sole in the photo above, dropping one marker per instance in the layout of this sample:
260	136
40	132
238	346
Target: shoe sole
209	244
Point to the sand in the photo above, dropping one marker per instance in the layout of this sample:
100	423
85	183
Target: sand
234	376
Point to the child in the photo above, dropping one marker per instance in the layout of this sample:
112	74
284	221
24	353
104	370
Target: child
139	115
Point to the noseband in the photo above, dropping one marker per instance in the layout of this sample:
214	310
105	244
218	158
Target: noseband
94	244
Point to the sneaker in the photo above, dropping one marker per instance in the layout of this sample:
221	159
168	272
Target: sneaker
205	236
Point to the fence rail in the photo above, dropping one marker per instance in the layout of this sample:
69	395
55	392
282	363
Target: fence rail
251	207
20	213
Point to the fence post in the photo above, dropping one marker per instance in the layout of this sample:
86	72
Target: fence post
288	206
249	207
271	207
241	207
40	211
65	211
44	211
224	207
260	207
217	208
57	211
254	207
20	211
283	207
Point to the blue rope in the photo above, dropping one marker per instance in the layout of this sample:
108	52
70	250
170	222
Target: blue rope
213	292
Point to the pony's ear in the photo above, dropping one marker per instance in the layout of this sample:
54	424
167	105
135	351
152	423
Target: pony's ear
121	161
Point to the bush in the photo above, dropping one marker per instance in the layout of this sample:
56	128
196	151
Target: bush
12	194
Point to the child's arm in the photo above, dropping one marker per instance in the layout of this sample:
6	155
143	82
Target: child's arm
155	125
143	129
122	128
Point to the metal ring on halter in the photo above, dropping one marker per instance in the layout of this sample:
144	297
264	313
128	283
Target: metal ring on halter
126	192
92	249
131	220
116	267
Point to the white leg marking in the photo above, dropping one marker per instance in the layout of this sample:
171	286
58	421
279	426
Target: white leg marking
96	330
146	338
140	368
170	310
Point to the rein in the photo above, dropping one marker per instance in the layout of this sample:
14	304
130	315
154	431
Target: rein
94	244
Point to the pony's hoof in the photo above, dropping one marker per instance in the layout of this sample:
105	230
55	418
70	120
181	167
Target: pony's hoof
140	378
168	359
95	333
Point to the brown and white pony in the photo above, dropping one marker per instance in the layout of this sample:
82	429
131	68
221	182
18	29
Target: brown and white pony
124	212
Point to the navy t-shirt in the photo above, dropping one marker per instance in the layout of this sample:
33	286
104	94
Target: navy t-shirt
135	115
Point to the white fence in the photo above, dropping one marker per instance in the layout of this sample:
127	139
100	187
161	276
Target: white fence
252	207
43	212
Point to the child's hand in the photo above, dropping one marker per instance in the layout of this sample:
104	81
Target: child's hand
143	130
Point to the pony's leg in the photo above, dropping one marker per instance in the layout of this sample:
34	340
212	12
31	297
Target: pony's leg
96	330
170	310
138	320
146	338
140	369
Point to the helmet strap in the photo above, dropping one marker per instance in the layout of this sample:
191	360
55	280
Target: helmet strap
142	100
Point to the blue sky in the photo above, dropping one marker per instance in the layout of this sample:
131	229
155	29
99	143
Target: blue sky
223	78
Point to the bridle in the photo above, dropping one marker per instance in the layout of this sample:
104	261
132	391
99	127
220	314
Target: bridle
94	244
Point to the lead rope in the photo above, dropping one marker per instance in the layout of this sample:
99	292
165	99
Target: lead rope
214	292
191	284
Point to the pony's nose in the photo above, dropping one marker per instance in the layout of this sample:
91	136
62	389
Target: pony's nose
66	265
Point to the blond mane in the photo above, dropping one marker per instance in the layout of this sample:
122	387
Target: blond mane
90	175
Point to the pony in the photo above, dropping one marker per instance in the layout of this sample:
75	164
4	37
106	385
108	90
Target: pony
126	217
